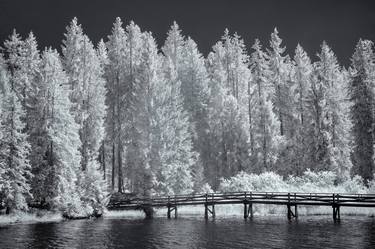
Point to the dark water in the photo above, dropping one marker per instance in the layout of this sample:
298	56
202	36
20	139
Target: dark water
195	232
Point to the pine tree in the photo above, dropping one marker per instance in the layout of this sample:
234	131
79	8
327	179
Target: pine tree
330	125
302	76
195	93
174	45
102	54
148	75
279	67
192	74
14	148
62	131
114	75
85	72
131	130
172	123
228	114
361	92
264	125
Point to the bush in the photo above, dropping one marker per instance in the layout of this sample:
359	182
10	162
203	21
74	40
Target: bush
309	182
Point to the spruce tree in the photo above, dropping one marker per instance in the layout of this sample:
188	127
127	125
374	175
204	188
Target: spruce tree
14	147
361	92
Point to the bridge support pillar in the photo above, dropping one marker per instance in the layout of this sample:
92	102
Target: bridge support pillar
336	212
336	207
170	210
245	212
207	210
248	210
149	211
290	212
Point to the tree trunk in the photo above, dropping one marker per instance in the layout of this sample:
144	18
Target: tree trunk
119	160
113	165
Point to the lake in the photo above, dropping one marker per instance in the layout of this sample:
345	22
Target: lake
194	232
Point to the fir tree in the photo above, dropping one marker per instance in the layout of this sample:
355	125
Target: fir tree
361	92
14	148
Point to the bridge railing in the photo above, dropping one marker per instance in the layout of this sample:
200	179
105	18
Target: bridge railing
256	197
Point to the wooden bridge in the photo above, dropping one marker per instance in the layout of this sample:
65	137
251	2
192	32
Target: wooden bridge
247	199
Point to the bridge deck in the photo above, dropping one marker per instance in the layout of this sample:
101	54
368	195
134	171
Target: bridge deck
248	198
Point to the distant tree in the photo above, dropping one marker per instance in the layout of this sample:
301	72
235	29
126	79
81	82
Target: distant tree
191	72
361	92
279	69
62	154
264	124
14	148
102	53
172	123
114	75
174	46
195	93
228	114
296	160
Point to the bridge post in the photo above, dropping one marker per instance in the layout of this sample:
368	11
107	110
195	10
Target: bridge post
251	210
251	205
175	207
169	208
336	207
213	207
288	206
295	206
206	209
245	213
333	207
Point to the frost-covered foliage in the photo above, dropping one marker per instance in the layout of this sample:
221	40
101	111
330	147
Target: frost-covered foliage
309	182
171	121
361	91
15	169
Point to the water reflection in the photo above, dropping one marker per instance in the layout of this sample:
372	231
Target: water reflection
194	232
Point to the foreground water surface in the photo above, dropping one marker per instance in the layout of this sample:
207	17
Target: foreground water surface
194	232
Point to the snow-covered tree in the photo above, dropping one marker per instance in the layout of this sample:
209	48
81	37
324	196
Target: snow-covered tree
296	160
361	92
132	130
175	175
191	72
148	75
102	54
174	46
328	134
85	75
62	154
114	75
264	131
228	114
279	76
14	147
195	93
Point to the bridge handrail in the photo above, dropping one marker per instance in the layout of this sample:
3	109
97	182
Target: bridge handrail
275	196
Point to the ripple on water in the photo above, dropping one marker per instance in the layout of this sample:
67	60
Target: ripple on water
194	232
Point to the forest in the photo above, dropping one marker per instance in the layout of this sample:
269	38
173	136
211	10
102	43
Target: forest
127	115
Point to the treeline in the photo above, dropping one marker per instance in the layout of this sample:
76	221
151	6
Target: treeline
124	116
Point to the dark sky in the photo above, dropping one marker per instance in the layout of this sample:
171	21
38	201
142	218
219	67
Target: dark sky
340	22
